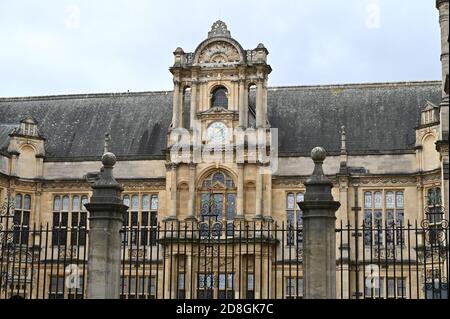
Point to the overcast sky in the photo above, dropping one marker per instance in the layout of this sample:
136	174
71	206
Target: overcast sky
97	46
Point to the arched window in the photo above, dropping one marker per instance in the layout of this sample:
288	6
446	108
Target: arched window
218	200
220	97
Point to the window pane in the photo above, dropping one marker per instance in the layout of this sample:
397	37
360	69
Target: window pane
145	203
26	219
154	219
83	220
27	202
145	220
154	205
219	177
290	218
220	98
368	227
84	201
378	200
368	200
18	201
135	202
75	204
390	200
400	200
390	226
65	204
300	197
205	205
74	219
152	285
391	287
290	201
231	206
55	219
64	219
181	281
57	204
218	206
250	282
126	200
134	219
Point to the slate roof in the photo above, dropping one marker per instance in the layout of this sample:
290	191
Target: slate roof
378	118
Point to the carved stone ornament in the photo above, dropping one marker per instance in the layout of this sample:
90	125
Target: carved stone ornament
219	52
219	29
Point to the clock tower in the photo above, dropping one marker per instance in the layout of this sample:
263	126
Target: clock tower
219	89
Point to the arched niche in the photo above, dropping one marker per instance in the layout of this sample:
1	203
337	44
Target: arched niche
26	164
430	157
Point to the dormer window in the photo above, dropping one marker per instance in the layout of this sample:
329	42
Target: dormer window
429	114
220	97
28	127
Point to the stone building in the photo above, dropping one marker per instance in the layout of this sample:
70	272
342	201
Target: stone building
387	144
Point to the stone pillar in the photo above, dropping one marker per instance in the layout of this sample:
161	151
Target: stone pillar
182	97
319	226
193	105
106	216
442	144
264	102
240	192
259	193
173	192
420	197
242	106
259	104
192	179
13	165
268	197
175	108
443	7
37	204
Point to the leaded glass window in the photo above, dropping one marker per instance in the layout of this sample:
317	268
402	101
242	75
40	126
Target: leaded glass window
69	217
294	217
21	219
220	97
218	201
140	223
383	212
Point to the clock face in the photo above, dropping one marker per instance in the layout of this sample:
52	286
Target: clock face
217	133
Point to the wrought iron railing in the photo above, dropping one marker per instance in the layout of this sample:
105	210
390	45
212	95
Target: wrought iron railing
228	260
408	261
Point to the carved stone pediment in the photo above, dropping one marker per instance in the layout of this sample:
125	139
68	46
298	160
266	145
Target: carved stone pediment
219	54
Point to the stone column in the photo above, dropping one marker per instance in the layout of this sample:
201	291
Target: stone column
259	193
193	104
192	179
37	204
181	100
14	161
319	228
175	108
443	7
106	215
259	104
264	102
442	144
173	192
268	197
242	106
240	192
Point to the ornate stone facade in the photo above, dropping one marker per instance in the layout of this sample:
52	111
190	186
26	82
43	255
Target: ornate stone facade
220	82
